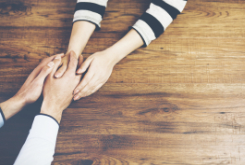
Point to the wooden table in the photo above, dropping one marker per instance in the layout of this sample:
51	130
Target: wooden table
180	101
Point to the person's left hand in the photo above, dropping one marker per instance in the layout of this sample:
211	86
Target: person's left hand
99	66
31	89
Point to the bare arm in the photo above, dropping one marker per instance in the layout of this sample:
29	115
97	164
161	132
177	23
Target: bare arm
81	32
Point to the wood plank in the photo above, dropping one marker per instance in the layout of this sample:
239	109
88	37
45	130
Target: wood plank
180	101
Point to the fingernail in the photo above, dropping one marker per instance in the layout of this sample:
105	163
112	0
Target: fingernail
76	98
79	71
57	75
76	91
57	58
51	64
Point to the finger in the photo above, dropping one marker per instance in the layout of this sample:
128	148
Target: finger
84	66
96	88
72	66
81	93
63	67
80	61
60	72
61	55
87	78
45	72
45	61
87	90
38	69
57	61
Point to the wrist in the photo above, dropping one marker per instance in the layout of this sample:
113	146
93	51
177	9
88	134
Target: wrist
81	32
114	54
130	42
77	51
52	111
12	106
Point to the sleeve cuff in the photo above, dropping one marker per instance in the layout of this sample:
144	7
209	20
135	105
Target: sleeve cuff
88	20
91	11
50	117
131	27
2	118
45	127
144	31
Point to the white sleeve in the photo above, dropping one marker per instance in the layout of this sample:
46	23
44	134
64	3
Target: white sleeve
2	118
39	147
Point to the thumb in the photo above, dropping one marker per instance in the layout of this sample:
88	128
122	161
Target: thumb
80	61
84	66
45	72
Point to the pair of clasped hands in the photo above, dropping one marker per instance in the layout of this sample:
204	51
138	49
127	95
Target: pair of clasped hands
58	93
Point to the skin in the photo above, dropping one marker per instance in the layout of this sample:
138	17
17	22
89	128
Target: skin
81	32
31	89
99	65
58	93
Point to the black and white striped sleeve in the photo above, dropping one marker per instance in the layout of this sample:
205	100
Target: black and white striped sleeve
90	10
157	18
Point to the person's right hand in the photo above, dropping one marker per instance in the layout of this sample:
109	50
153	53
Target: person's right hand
58	93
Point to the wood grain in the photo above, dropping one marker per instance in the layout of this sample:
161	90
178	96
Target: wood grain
180	101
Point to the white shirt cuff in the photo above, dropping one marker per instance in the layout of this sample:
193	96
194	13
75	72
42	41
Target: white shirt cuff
39	147
2	118
44	127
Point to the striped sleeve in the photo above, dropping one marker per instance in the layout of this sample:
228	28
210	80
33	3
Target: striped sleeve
157	18
90	10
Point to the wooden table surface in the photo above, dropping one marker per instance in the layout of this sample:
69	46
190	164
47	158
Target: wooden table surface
180	101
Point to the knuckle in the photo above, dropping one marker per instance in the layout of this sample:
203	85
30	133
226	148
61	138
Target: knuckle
45	69
44	60
71	77
37	83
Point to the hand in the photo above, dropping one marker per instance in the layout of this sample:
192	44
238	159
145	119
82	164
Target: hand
63	66
58	93
31	89
99	66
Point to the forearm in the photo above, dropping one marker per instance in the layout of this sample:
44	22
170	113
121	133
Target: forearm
81	32
130	42
11	107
